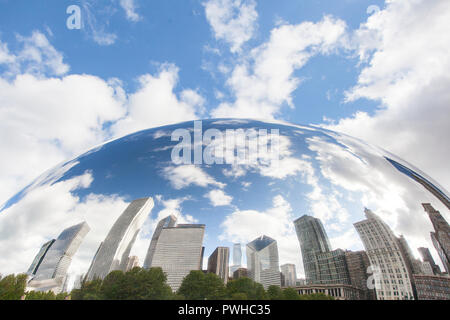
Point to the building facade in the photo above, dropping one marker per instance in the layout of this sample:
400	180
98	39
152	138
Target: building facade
218	262
322	265
357	264
432	287
237	258
167	222
440	236
240	273
427	257
388	265
262	261
114	251
290	274
50	273
337	291
132	262
178	251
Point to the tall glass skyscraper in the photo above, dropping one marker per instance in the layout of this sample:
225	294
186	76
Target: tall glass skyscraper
53	260
441	235
390	269
218	262
178	250
237	258
262	261
290	275
322	265
114	251
167	222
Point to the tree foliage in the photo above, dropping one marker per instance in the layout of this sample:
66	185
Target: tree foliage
200	286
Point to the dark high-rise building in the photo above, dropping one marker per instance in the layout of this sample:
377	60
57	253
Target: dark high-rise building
440	236
322	265
358	263
39	257
218	262
240	273
427	257
167	222
432	287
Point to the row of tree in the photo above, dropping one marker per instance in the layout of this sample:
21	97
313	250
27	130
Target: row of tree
142	284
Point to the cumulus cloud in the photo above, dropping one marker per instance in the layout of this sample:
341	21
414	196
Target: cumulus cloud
129	6
186	175
233	21
218	198
265	81
405	54
155	103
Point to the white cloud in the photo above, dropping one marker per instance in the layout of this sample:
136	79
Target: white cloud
265	81
130	10
185	175
218	198
155	103
407	50
233	21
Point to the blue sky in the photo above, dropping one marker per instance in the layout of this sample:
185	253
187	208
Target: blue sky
359	67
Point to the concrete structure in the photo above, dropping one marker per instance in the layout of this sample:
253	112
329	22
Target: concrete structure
114	251
178	251
431	287
338	291
322	265
262	261
440	236
54	259
240	273
390	270
427	257
167	222
218	262
357	264
290	275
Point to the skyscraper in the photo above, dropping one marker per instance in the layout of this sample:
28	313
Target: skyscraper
114	251
132	262
218	262
290	275
178	250
237	258
358	263
427	257
440	236
167	222
390	270
262	261
322	265
55	258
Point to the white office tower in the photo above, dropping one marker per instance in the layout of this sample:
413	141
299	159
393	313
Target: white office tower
178	250
114	251
237	258
49	268
167	222
262	261
289	273
390	270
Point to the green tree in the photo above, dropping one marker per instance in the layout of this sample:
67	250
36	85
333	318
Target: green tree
290	294
274	293
252	289
12	287
142	284
115	286
38	295
200	286
90	290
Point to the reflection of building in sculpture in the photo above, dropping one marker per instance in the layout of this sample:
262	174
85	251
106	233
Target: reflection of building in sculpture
432	287
437	192
338	291
178	250
428	258
132	262
240	273
114	251
237	258
167	222
357	264
218	262
322	265
49	268
440	236
392	278
262	261
289	273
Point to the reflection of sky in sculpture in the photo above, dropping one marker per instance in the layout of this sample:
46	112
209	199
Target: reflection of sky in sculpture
321	173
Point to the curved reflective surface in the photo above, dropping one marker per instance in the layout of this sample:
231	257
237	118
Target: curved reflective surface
306	200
